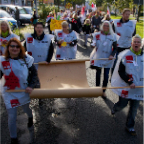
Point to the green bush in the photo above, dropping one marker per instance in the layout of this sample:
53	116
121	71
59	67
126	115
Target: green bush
44	11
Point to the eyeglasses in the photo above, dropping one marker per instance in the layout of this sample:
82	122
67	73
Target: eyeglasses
13	46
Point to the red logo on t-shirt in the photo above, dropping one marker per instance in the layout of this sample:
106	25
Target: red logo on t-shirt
30	53
124	94
131	77
92	62
74	21
129	59
98	37
119	34
58	56
14	102
11	81
119	24
29	39
60	34
6	65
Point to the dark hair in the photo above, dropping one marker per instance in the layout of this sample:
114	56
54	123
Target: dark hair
39	23
22	50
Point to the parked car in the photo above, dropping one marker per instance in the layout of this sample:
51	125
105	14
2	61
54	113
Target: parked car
5	16
28	9
24	16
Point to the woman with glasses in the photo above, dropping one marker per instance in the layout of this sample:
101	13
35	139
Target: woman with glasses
105	46
129	72
5	35
19	73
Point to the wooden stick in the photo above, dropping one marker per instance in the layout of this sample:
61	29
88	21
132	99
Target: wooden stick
75	60
102	88
121	87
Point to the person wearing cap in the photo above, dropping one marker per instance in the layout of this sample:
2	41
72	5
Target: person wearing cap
105	46
129	72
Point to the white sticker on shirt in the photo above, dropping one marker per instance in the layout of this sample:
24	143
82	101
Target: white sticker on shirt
105	43
135	63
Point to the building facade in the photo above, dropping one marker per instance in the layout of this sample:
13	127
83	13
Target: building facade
51	2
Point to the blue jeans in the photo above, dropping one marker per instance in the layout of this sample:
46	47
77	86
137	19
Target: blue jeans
122	103
12	116
98	76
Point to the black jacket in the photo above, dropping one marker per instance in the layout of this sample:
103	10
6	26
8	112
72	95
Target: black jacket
122	73
87	29
17	14
76	25
32	78
51	48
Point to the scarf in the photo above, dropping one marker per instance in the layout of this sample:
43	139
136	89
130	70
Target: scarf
106	33
136	53
5	34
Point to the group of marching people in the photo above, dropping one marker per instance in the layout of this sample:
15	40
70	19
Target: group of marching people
88	24
115	46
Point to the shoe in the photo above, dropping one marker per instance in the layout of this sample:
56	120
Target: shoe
30	122
113	111
131	131
14	141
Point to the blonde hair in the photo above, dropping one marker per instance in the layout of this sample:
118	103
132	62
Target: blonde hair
74	15
136	36
110	27
86	21
125	10
105	17
65	14
5	22
50	13
64	23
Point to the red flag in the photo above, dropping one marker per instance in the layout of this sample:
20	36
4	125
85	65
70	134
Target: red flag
83	11
108	11
93	6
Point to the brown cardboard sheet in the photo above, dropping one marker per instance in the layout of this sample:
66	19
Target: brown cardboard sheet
64	79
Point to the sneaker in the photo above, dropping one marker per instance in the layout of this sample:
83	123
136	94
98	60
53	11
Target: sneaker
113	111
14	141
131	131
30	122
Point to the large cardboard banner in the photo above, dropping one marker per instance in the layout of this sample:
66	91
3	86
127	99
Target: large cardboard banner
64	79
55	24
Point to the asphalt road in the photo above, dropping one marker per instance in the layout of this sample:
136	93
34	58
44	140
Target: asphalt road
75	121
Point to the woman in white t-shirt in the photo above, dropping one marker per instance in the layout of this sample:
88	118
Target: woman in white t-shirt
66	41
